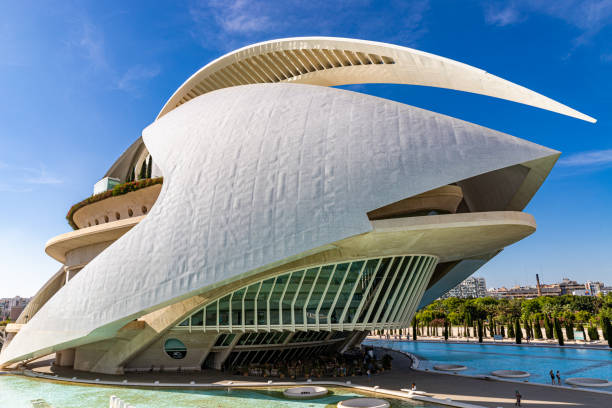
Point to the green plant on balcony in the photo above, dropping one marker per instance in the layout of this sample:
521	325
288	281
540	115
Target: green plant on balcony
120	189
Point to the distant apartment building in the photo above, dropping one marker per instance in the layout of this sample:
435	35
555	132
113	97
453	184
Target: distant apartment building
472	287
565	287
524	292
11	308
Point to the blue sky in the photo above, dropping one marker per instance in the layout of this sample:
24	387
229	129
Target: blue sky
80	80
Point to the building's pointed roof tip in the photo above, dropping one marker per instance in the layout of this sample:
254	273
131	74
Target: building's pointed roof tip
332	61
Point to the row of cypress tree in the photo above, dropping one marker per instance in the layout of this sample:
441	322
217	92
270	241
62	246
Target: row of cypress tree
145	171
552	328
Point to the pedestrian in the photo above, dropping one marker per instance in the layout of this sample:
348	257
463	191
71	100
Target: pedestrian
552	376
518	398
558	378
413	387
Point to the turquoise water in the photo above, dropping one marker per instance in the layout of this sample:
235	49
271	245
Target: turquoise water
19	392
484	358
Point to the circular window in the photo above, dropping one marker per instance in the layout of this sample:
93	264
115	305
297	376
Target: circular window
130	212
175	348
106	218
97	221
144	209
117	215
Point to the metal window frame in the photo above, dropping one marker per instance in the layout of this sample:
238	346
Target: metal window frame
376	294
331	276
392	305
333	305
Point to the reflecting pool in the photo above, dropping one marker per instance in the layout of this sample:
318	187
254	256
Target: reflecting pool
484	358
21	392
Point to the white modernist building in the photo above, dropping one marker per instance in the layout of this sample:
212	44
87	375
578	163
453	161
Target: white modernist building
293	217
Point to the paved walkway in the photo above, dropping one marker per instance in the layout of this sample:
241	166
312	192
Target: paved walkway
488	393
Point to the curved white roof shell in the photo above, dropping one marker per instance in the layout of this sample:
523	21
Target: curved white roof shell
330	61
255	176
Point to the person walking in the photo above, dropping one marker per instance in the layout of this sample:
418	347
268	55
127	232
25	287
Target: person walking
518	396
552	376
558	378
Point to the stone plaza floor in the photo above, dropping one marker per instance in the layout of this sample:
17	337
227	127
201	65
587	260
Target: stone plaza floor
488	393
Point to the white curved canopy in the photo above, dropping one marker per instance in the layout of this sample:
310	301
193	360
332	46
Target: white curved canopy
330	61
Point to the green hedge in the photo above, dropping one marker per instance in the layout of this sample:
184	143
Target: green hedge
117	191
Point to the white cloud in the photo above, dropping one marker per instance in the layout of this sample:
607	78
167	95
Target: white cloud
502	16
241	16
227	25
583	159
133	76
91	42
19	179
589	16
10	188
90	46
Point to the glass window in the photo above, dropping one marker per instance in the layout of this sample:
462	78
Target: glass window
281	282
362	285
317	293
184	322
384	286
175	348
391	300
237	307
262	301
197	319
244	339
372	279
224	306
345	291
220	339
211	314
228	339
332	291
309	279
249	304
290	293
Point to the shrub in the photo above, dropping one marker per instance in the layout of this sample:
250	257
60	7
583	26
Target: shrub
569	329
518	331
143	170
548	327
593	333
607	329
537	330
150	167
558	331
131	175
528	330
